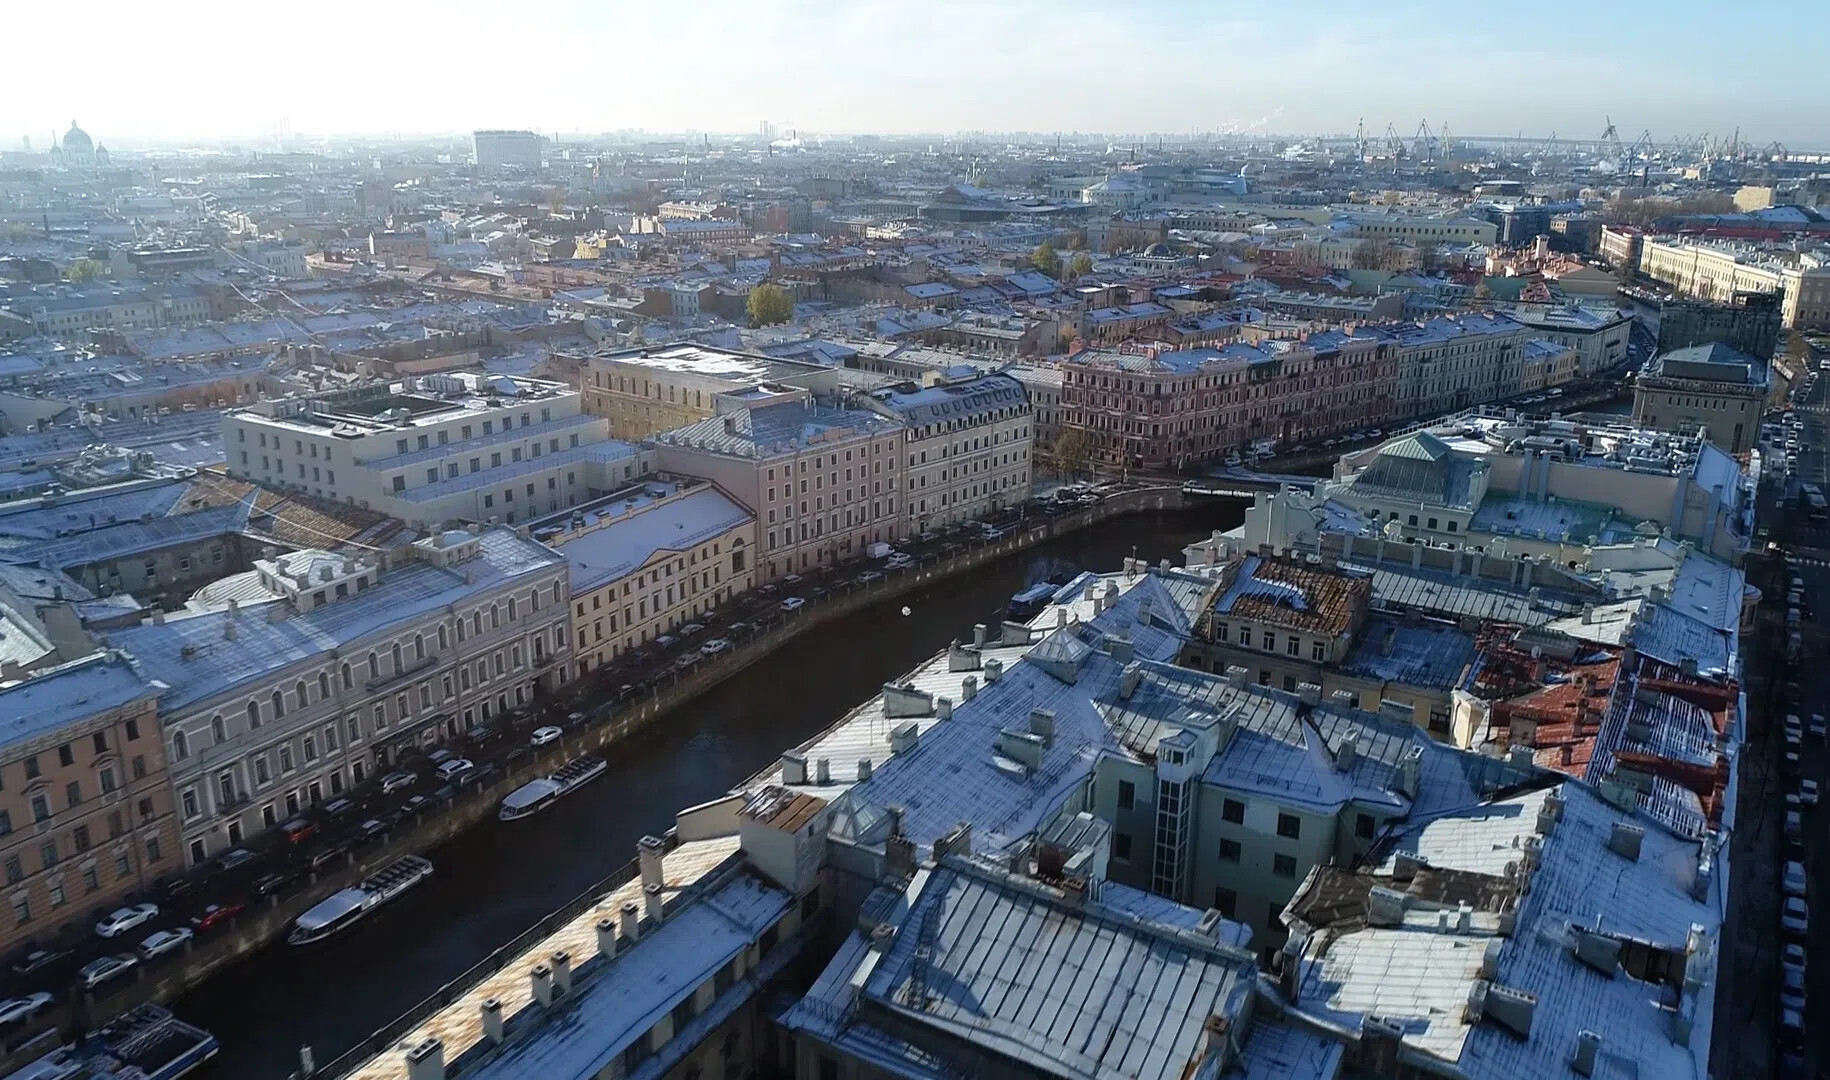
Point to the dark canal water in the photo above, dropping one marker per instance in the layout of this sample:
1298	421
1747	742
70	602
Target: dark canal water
492	883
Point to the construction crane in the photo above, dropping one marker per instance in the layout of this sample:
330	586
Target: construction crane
1393	144
1424	142
1610	141
1443	147
1359	141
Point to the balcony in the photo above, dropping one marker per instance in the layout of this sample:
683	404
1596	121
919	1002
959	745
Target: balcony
382	682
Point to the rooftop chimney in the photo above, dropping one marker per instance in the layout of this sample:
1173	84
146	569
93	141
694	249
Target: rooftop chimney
606	936
541	977
492	1020
1588	1045
426	1060
562	973
653	904
650	852
1625	840
630	920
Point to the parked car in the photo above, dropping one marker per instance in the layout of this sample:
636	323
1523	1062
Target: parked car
1795	917
1792	990
396	781
329	855
455	767
1817	725
336	808
98	971
869	576
1792	957
992	532
13	1010
413	803
160	942
545	735
217	914
1807	791
371	829
691	629
37	960
1795	825
1794	879
714	646
121	920
299	830
791	579
269	884
666	641
233	858
793	603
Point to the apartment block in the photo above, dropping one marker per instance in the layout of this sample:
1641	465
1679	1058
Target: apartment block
647	560
442	448
967	447
1719	272
1160	408
644	391
1715	387
323	669
824	480
85	806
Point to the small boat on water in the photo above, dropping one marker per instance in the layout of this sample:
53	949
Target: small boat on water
1024	605
536	795
340	909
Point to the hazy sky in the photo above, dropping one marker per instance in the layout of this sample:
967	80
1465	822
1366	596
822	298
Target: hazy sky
127	68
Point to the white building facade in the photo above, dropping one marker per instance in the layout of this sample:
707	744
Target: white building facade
335	667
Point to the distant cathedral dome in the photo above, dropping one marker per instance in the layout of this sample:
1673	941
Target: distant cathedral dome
1157	249
77	141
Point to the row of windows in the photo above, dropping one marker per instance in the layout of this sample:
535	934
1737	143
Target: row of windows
276	703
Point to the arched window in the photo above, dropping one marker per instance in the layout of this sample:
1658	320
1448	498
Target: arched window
444	636
394	651
323	685
219	733
374	666
181	747
349	681
298	691
495	617
555	592
279	704
476	621
254	714
419	646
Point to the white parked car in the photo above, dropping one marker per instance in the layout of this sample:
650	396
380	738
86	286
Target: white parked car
395	781
1807	791
714	646
793	603
1794	879
455	766
545	735
97	972
1795	917
121	920
163	941
14	1010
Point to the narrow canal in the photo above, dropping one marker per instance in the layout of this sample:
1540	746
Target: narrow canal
492	883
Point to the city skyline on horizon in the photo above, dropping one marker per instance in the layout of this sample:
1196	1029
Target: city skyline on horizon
1027	66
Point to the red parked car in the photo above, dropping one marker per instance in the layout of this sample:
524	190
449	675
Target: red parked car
215	915
299	830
